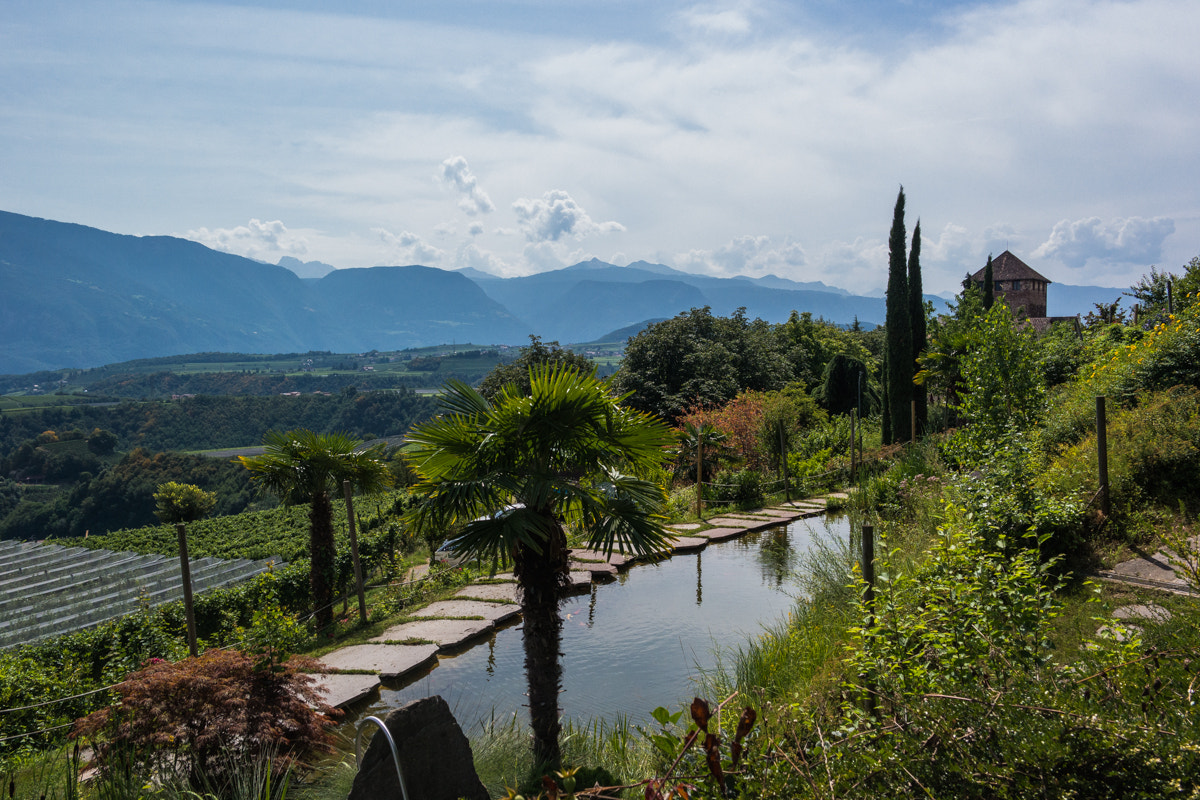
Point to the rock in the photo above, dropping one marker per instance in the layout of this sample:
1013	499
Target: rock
435	757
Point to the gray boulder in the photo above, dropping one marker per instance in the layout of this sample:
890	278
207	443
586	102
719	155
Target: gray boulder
435	757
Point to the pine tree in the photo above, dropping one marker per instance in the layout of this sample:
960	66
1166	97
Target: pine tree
916	312
899	375
989	285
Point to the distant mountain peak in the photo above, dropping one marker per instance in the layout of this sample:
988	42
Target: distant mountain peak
306	269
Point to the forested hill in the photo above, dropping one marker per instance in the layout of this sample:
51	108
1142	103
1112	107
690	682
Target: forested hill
206	423
62	471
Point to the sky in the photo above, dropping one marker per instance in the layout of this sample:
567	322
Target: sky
516	136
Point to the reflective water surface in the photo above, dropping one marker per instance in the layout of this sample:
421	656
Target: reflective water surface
636	643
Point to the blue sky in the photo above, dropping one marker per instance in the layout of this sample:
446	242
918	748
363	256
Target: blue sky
724	138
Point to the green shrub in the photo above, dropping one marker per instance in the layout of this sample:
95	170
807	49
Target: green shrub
743	489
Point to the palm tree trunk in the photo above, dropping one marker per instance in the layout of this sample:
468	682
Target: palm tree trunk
541	577
321	550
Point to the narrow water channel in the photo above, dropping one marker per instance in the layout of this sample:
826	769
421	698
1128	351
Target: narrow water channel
636	643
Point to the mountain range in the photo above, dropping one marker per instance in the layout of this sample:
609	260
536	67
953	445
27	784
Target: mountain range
74	296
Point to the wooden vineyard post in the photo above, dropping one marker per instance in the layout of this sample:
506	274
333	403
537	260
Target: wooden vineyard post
185	570
783	467
853	446
1102	456
868	572
358	581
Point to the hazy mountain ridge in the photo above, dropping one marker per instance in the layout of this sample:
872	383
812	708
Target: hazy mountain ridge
74	296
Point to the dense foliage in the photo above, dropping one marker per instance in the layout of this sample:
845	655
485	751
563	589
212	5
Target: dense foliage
697	360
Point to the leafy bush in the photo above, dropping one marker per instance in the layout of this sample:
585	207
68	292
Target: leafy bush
201	718
742	488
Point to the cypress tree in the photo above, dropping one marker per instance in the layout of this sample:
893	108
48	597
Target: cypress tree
899	331
916	312
885	402
989	285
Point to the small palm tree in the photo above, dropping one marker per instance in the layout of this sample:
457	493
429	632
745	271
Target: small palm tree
304	467
515	471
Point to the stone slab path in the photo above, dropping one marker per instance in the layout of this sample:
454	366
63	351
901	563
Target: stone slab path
342	689
388	660
721	534
689	544
447	634
458	609
501	592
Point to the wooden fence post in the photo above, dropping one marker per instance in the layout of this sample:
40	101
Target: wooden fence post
185	570
358	580
868	572
853	447
1102	456
699	478
783	465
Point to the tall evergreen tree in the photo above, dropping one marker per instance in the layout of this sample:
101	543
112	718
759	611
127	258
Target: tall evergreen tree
899	376
916	312
989	285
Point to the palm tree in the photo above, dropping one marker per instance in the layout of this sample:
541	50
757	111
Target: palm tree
516	471
303	467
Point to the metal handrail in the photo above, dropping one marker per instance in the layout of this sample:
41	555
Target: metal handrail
391	743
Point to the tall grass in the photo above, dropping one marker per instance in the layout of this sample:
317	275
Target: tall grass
609	753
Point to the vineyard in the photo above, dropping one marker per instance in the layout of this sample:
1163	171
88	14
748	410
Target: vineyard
272	533
47	590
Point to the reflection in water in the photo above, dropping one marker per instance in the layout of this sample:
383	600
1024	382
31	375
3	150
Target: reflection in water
635	643
777	556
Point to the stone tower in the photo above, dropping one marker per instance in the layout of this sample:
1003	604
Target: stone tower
1023	289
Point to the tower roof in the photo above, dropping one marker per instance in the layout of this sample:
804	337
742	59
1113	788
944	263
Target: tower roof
1007	267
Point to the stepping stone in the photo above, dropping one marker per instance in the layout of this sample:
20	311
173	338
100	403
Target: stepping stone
389	660
730	522
776	513
837	496
721	534
597	569
1157	568
616	559
340	690
495	612
684	526
1150	613
690	544
489	591
734	522
447	634
1120	634
579	580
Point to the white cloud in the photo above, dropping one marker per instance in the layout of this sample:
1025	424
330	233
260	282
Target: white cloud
717	20
475	228
471	255
457	175
256	239
555	215
1132	240
409	247
747	255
